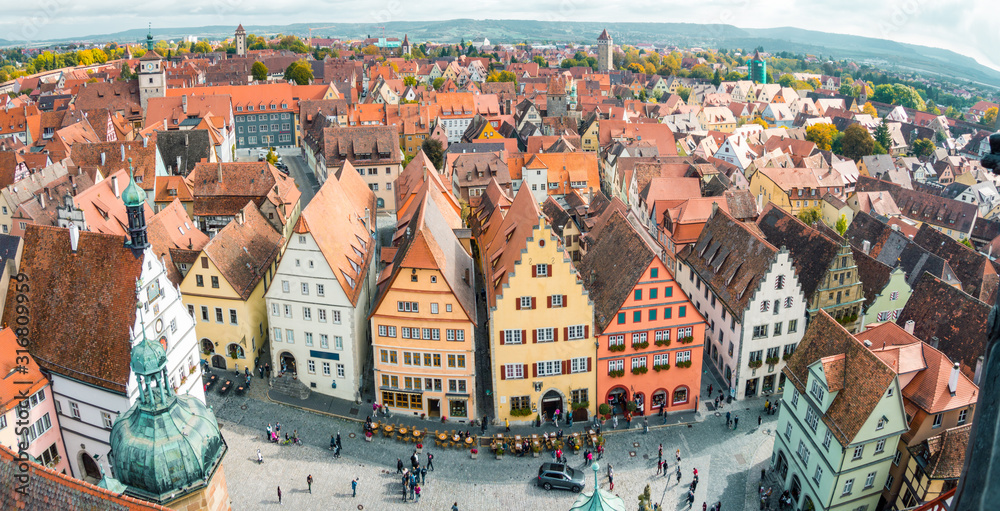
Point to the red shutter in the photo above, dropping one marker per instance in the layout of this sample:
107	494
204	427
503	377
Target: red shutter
564	301
517	303
548	270
524	336
534	271
555	334
586	331
565	367
524	371
503	372
534	335
566	333
534	370
589	362
549	299
502	338
532	302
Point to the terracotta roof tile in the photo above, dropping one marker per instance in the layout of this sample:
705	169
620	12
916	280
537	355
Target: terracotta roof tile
244	250
102	274
942	456
171	230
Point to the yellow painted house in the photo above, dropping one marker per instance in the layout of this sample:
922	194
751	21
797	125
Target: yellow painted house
541	318
224	290
590	133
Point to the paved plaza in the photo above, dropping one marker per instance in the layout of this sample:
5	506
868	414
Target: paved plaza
728	463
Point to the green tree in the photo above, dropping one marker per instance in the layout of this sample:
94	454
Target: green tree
201	47
701	71
259	71
434	151
967	243
857	142
846	90
841	225
822	135
733	76
438	82
786	80
538	59
717	79
882	135
299	72
810	215
684	93
922	147
501	76
410	81
990	117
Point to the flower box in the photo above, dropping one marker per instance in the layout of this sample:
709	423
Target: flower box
772	360
368	436
474	453
640	345
754	364
616	374
616	347
686	363
191	369
662	342
686	340
661	367
786	356
581	404
639	370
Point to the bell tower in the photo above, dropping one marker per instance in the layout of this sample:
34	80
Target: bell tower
134	198
152	75
605	48
241	41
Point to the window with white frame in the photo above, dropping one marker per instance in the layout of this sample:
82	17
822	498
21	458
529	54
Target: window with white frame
309	338
324	341
639	337
795	398
550	368
275	310
512	337
326	369
288	311
578	365
382	331
307	313
616	365
336	313
848	486
312	366
870	480
575	332
817	391
812	418
859	451
74	409
525	302
320	289
661	359
321	315
826	439
514	371
661	335
340	370
545	334
818	475
557	301
616	340
305	288
880	446
277	334
803	452
683	356
289	336
107	420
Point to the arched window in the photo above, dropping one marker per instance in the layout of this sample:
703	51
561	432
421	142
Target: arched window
680	395
380	202
235	351
207	346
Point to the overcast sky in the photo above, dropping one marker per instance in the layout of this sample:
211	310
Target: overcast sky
968	27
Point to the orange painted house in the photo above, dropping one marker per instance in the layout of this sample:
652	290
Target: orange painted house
650	336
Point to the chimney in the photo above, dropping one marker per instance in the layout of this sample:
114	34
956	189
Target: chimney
41	200
186	141
145	141
239	217
103	158
465	277
953	379
114	186
184	104
123	152
219	166
866	246
979	371
909	326
165	125
592	277
74	237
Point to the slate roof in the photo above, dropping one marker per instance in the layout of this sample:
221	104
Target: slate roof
874	276
244	250
187	147
973	269
865	377
949	320
224	188
924	207
557	216
49	489
370	145
812	252
101	275
731	258
612	266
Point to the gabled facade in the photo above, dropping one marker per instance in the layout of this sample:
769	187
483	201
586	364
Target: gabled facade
424	319
650	336
749	293
325	284
540	317
838	420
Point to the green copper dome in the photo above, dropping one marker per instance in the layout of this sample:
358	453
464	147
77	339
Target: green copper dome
133	194
165	445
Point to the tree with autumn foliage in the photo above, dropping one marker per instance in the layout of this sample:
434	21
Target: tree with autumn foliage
990	117
822	135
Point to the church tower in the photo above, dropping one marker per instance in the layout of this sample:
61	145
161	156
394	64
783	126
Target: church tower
152	75
167	449
241	41
605	47
405	47
134	198
757	67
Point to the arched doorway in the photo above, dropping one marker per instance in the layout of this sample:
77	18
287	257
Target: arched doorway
287	362
807	504
617	397
219	362
207	347
91	472
552	401
796	488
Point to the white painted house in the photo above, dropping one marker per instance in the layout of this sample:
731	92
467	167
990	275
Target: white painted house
748	292
320	296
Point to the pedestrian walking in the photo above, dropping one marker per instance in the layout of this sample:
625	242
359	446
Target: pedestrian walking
416	491
423	475
704	506
614	422
430	462
279	495
678	454
645	425
659	467
758	421
659	453
454	507
611	477
678	474
339	446
695	473
628	421
309	482
710	390
268	431
665	466
399	466
483	428
729	420
736	421
506	424
260	459
354	488
690	498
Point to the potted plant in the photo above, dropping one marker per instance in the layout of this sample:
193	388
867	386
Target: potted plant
535	450
368	436
604	410
581	404
639	370
661	367
687	363
616	374
443	419
772	360
616	347
420	448
191	369
640	345
499	453
686	340
538	420
474	453
662	342
631	406
786	356
754	364
423	416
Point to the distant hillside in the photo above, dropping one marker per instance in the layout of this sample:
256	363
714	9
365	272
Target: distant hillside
905	56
